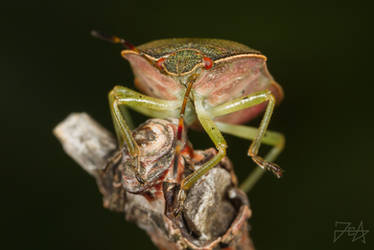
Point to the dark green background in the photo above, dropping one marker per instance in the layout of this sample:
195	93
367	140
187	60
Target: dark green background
321	53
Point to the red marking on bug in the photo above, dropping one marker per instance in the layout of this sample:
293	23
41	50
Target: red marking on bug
208	63
180	129
129	45
160	62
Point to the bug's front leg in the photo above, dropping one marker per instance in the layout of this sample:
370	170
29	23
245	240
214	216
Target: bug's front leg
119	98
211	128
246	102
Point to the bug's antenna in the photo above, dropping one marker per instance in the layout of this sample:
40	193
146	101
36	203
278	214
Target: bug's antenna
113	39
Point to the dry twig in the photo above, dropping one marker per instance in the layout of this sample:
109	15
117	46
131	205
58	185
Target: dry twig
215	212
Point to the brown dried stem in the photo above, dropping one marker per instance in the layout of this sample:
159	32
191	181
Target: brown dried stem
215	211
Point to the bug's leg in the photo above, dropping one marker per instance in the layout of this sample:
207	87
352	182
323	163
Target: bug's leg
271	138
119	98
211	128
220	143
178	148
246	102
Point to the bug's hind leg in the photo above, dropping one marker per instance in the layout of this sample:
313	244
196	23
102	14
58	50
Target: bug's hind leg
271	138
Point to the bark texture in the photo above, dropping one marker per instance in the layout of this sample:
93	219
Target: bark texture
215	212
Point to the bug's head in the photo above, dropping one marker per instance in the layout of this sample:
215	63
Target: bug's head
183	62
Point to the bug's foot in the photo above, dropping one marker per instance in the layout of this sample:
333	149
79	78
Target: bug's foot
174	197
140	179
269	166
180	202
137	165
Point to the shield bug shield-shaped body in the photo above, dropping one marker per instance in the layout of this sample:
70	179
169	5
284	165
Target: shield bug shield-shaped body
216	84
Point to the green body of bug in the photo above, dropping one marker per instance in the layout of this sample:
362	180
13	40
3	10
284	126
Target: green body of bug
212	83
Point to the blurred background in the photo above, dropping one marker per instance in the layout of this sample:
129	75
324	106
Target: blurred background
320	52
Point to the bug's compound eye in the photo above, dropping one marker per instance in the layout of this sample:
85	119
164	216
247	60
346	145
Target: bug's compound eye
160	63
208	62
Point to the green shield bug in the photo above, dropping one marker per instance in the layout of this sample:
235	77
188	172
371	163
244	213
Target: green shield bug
212	83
